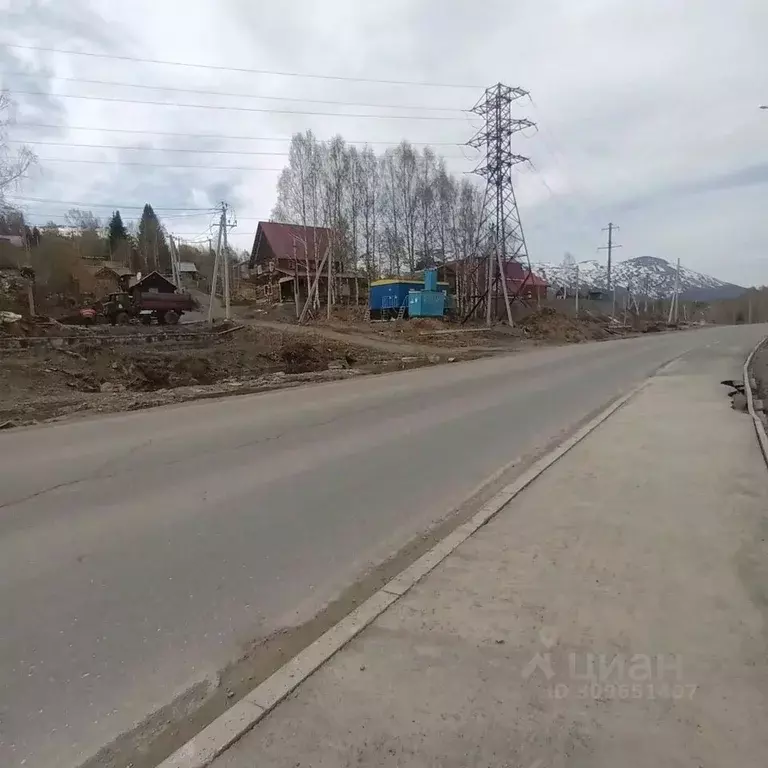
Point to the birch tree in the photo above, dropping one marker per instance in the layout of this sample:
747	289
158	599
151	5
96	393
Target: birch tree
407	169
447	194
391	213
388	214
425	200
370	184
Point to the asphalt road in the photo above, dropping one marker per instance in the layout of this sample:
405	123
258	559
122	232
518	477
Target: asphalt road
141	552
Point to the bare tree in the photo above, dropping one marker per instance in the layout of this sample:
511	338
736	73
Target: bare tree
370	182
13	164
425	200
335	183
391	212
355	203
407	170
402	210
82	221
447	195
467	219
298	194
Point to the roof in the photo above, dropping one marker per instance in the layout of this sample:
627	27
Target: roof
119	269
396	281
533	281
187	266
155	276
285	240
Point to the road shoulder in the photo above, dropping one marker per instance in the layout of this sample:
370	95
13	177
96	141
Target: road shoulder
640	557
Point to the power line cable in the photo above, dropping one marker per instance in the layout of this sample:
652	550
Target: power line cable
157	165
35	142
264	110
247	70
237	95
160	210
115	206
220	136
128	216
145	149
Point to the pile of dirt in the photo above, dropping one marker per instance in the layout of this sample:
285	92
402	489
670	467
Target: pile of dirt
42	381
547	324
42	326
301	356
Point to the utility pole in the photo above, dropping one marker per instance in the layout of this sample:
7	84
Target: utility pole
611	245
215	277
329	293
646	290
175	271
225	261
673	307
577	290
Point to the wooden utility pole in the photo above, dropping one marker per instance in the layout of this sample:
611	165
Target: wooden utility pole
330	285
215	277
225	260
504	290
296	298
489	299
611	245
175	269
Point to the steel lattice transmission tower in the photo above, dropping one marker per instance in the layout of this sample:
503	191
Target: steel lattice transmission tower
500	234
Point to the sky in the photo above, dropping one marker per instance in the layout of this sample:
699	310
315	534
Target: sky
647	113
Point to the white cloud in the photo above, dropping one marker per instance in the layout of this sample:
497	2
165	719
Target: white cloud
647	112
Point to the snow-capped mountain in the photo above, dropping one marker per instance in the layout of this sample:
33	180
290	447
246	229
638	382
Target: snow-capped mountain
643	275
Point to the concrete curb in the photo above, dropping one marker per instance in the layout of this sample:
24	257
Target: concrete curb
762	438
204	748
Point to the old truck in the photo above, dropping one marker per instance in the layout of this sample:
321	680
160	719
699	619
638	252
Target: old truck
166	308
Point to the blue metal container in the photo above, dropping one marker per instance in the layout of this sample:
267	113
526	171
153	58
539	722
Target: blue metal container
386	297
430	279
426	303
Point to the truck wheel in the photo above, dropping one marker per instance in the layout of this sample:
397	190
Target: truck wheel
171	317
145	319
122	318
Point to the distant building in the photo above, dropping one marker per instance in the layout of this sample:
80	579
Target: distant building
280	257
521	282
188	269
524	282
110	277
153	282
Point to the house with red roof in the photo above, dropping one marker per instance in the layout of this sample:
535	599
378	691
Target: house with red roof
284	261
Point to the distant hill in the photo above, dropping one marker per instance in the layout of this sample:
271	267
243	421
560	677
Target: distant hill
643	275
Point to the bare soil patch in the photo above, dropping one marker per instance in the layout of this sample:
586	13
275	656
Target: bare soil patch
46	378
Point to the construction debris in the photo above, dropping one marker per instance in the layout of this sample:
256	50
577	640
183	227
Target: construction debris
42	379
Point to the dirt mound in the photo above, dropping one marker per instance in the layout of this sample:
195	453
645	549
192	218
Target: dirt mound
300	356
427	324
43	380
547	324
